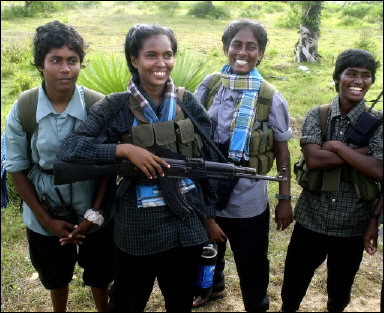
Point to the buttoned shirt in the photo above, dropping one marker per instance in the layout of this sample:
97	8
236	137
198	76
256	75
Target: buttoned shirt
141	231
336	213
52	128
249	197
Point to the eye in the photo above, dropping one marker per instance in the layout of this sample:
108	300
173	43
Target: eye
169	55
73	61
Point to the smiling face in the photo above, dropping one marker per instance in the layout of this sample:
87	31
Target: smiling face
354	83
243	52
154	62
61	69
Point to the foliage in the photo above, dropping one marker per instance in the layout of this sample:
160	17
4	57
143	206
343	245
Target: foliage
21	292
190	70
170	8
205	9
111	74
366	41
105	75
311	14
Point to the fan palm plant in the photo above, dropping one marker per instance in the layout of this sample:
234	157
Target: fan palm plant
110	74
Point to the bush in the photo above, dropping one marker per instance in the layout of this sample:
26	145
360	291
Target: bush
109	75
205	9
366	41
105	75
356	10
170	8
14	11
21	83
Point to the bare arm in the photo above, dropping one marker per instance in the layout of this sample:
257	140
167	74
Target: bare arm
28	193
364	163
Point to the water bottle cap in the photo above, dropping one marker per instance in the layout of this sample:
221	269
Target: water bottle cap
211	250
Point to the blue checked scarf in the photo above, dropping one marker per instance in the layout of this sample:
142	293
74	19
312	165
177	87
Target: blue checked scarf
245	110
150	195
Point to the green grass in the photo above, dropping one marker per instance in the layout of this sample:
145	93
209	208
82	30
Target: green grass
104	28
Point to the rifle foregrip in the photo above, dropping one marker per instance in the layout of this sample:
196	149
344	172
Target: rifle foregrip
67	172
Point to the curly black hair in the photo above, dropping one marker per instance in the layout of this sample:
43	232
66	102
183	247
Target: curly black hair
56	35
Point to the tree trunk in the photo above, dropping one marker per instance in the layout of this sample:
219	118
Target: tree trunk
307	46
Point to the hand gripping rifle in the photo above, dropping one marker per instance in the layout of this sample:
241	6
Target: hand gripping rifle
194	168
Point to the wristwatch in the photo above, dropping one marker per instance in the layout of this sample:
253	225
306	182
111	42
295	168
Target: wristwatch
283	197
95	216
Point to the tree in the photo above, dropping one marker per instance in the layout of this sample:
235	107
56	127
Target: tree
306	47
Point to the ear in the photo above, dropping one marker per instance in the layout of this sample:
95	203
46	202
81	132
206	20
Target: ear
134	61
261	55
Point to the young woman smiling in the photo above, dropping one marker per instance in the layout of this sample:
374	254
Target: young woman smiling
155	239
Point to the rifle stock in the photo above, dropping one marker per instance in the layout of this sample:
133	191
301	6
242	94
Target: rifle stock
67	172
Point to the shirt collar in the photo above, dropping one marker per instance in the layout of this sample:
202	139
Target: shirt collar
352	115
44	106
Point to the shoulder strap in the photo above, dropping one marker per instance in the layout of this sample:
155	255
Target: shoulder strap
212	88
264	101
202	133
324	110
180	93
27	104
91	97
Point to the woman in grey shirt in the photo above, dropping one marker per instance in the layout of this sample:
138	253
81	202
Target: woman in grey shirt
242	117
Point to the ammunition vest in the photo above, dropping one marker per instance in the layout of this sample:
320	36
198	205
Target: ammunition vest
329	179
177	135
261	143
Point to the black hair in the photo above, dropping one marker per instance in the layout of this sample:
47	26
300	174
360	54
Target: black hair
256	28
355	58
56	35
136	37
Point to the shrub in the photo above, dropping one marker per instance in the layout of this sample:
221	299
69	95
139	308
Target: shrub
204	9
109	75
366	41
105	75
22	82
356	10
170	8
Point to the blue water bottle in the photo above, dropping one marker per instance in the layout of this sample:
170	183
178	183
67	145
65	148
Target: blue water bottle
206	270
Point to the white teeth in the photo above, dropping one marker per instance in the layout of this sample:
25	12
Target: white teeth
241	62
356	88
159	73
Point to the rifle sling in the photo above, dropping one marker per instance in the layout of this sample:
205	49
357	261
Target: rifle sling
203	134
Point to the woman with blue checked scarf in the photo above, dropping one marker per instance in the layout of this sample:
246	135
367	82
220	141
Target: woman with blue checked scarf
250	131
154	238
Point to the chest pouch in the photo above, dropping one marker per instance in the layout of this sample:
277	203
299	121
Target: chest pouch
261	148
363	129
188	142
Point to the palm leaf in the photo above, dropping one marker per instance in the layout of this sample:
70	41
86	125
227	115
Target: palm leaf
110	74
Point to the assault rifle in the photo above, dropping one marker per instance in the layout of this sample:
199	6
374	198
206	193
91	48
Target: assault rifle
195	168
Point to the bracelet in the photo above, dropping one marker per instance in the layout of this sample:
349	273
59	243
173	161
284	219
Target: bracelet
283	197
94	216
375	216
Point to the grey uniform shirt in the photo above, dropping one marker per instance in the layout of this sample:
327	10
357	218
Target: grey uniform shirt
249	198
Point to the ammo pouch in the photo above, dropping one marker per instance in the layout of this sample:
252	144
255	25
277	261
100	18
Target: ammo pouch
365	187
62	212
310	180
178	136
261	148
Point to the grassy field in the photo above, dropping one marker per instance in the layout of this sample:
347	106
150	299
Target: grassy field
104	27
